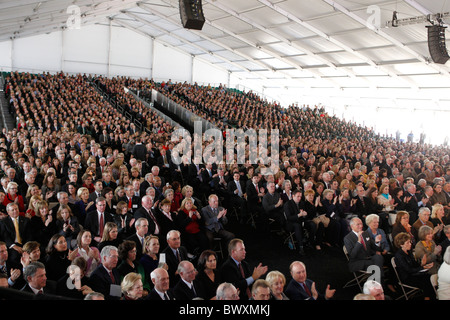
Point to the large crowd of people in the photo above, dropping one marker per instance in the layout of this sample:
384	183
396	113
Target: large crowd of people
90	197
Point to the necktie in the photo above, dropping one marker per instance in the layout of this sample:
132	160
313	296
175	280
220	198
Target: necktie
40	292
3	269
305	287
112	277
362	241
16	227
166	297
193	290
155	222
243	276
178	256
101	224
239	188
129	204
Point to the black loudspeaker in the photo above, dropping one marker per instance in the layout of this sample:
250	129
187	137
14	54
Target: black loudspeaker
191	13
436	44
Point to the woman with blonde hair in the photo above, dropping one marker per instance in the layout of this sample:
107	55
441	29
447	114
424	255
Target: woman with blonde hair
43	227
67	225
132	287
31	211
276	281
83	205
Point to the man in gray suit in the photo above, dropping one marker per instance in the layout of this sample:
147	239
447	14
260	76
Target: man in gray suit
214	218
361	249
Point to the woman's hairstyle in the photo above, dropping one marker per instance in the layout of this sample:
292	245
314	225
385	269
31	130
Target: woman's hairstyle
424	231
204	256
183	203
129	280
372	217
401	238
125	247
108	227
147	241
61	208
272	276
399	216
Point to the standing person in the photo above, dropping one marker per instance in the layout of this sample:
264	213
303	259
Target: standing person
96	220
208	274
237	271
302	288
295	219
67	225
124	220
190	224
84	249
58	257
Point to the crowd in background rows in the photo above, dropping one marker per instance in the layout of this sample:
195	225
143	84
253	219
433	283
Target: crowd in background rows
73	153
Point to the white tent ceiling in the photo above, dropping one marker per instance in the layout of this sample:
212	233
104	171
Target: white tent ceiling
340	45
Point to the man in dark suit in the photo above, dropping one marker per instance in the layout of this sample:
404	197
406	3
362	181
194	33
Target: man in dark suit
187	288
161	286
96	219
141	226
302	288
175	253
273	203
15	230
98	186
132	200
237	271
296	219
413	203
34	275
236	191
106	274
9	269
220	183
139	151
146	211
254	196
361	249
361	208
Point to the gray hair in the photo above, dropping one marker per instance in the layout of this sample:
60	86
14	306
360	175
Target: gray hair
372	217
106	251
169	234
31	269
222	289
423	210
60	193
370	285
90	296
